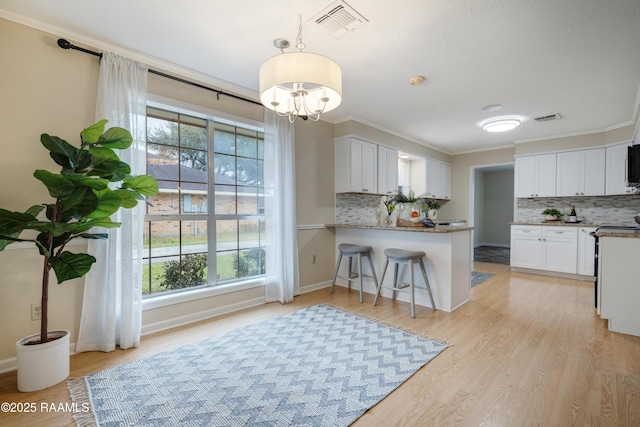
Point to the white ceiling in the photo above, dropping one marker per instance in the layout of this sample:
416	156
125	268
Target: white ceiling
578	58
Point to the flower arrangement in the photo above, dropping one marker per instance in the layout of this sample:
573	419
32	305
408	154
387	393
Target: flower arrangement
390	203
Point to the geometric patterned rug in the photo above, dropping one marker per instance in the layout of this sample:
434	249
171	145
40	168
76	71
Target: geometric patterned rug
319	366
478	277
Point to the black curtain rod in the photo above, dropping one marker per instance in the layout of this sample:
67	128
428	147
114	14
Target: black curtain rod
65	44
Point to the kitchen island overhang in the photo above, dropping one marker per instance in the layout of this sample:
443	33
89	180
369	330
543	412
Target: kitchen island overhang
448	260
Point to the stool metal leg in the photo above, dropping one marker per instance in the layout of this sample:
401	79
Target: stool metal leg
360	275
395	279
384	272
335	276
413	293
373	270
426	281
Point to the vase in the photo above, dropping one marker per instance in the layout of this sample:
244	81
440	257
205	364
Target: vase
432	214
409	211
388	221
41	366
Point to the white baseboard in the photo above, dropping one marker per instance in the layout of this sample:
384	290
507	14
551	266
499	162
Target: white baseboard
11	364
200	315
314	287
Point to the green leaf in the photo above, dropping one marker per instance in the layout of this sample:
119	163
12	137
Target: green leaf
121	173
59	146
58	241
88	181
58	185
35	210
109	202
67	205
143	184
69	266
14	222
128	198
91	134
105	162
116	137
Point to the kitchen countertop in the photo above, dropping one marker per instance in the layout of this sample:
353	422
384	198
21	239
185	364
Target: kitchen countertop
619	233
423	229
556	223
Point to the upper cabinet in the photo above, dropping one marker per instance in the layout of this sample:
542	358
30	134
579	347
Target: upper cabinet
438	179
535	176
387	170
356	166
581	173
616	170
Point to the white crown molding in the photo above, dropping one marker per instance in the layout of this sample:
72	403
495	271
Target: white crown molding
150	61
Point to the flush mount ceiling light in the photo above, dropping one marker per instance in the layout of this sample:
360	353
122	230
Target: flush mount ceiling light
300	83
501	124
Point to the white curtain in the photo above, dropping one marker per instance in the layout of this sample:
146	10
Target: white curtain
280	209
111	310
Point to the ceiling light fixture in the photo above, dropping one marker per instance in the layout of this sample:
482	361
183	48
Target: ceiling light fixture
501	124
300	84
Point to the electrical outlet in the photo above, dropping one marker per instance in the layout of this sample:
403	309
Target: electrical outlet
36	311
313	259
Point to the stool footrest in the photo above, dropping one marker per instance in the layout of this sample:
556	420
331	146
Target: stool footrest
354	278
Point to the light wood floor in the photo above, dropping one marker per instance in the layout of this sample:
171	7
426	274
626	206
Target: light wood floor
528	351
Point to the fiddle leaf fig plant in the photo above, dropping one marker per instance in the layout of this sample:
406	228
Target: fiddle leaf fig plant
93	183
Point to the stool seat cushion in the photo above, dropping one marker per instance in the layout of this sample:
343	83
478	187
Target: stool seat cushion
348	248
402	254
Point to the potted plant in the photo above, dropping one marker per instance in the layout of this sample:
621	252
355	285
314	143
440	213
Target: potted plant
430	208
408	209
551	214
93	184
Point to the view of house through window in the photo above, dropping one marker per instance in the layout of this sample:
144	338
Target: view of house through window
206	225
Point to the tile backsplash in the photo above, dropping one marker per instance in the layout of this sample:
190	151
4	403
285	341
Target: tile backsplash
362	209
605	210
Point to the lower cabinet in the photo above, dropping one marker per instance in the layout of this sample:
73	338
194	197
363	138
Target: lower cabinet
549	248
586	251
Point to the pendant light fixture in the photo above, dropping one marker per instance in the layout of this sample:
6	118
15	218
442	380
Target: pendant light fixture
300	84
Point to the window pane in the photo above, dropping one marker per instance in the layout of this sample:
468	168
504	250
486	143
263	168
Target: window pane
225	169
194	237
224	139
247	145
162	162
225	199
226	234
251	262
261	148
167	201
161	131
165	238
249	233
247	172
247	200
193	136
226	266
193	165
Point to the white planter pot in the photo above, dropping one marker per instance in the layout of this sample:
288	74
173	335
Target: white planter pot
43	365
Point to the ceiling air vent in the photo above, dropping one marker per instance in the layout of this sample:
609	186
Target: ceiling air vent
547	118
339	18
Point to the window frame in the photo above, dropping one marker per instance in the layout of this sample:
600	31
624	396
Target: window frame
210	289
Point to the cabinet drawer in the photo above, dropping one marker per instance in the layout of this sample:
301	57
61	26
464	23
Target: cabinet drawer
560	232
523	230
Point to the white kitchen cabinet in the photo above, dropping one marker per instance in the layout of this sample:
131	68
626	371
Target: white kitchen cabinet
586	251
535	176
616	170
387	170
356	166
552	248
438	179
618	284
580	173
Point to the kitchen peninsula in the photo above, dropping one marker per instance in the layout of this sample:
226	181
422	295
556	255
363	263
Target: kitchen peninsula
448	259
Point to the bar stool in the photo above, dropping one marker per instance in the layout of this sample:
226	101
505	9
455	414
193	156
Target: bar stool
351	251
401	256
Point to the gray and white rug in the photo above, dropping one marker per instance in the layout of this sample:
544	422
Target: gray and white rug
319	366
478	277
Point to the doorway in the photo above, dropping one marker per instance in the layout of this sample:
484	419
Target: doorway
492	208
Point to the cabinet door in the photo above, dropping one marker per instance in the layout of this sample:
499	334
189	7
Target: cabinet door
546	175
593	172
387	170
525	177
586	251
438	179
616	170
526	252
569	171
446	181
364	166
559	255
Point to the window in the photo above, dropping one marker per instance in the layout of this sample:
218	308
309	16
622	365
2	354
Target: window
206	225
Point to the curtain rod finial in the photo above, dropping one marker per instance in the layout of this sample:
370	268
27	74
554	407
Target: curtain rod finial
64	44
